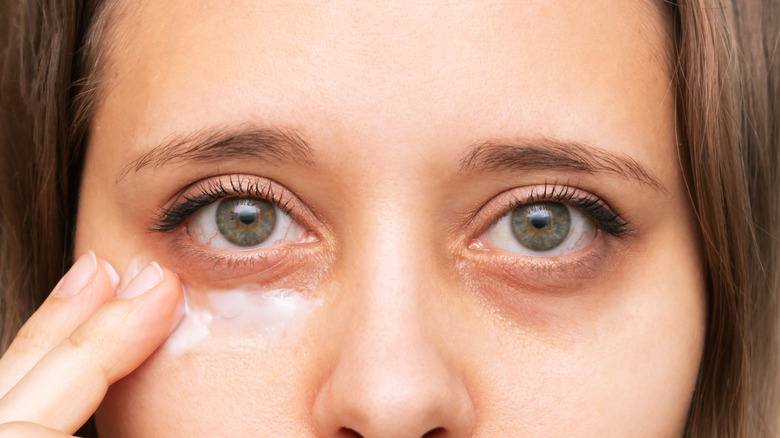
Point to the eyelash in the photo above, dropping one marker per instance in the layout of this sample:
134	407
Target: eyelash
169	219
594	207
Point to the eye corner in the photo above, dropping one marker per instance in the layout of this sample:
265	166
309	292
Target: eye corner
163	223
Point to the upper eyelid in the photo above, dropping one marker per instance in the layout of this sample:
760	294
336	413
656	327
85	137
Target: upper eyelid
510	199
305	216
234	185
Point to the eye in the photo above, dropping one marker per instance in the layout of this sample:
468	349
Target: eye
242	223
542	229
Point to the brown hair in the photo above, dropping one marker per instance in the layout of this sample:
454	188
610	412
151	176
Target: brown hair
728	92
727	79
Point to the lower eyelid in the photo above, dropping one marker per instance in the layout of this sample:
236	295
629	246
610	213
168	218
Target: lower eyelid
262	266
539	274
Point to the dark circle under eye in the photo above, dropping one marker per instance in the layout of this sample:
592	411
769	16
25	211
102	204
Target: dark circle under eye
541	226
245	221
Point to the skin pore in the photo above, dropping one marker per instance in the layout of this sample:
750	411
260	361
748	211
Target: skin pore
398	135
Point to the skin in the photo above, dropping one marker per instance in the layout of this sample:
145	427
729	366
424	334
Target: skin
424	328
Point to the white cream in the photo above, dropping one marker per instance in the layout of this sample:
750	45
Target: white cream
241	315
192	330
247	315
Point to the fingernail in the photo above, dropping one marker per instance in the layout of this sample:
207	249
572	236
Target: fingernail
111	274
79	275
148	278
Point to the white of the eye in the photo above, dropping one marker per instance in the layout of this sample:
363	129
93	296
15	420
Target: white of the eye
203	228
581	232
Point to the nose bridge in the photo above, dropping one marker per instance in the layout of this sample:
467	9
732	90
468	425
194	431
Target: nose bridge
390	379
395	297
390	251
392	274
393	270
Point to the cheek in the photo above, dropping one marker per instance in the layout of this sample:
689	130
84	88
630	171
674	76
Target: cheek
623	362
256	372
242	353
206	394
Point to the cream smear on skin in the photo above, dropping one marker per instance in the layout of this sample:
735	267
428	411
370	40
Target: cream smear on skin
248	314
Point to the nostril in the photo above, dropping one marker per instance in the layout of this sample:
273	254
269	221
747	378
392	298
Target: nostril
346	432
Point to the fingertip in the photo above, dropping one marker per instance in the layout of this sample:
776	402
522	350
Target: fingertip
169	276
171	280
78	277
159	269
112	274
129	328
178	316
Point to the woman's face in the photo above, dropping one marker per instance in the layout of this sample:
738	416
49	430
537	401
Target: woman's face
480	224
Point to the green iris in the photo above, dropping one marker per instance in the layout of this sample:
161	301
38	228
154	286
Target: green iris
245	221
541	226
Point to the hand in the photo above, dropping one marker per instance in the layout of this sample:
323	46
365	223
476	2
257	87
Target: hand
83	338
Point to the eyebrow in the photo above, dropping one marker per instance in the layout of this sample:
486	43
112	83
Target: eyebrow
551	154
264	143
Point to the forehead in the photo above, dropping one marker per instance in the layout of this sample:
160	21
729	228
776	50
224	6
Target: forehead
374	69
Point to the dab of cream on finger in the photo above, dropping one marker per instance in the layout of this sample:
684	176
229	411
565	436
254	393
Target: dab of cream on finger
240	316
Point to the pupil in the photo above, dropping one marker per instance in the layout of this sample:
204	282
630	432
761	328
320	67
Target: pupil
246	214
539	219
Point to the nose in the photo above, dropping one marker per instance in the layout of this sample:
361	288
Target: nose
389	378
391	383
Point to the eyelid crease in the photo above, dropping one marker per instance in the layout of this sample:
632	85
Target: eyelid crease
270	264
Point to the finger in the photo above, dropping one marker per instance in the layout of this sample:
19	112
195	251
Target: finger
29	430
67	385
87	285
